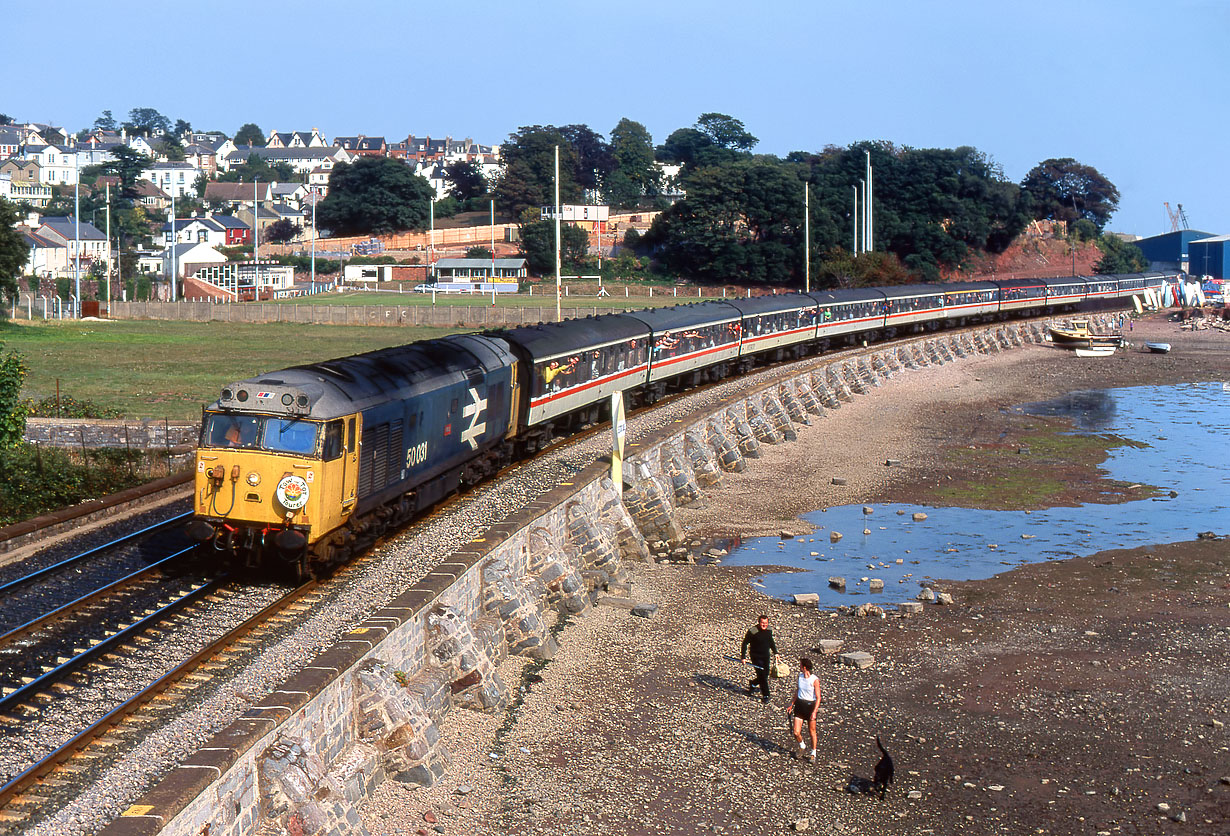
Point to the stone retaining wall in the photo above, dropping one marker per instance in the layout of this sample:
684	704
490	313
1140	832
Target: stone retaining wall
155	434
366	709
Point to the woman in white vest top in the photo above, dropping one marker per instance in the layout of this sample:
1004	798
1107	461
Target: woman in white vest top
803	708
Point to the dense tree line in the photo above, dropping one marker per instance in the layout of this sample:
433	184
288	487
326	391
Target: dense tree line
742	216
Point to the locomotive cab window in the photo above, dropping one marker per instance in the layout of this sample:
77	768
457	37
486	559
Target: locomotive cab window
231	431
292	435
333	441
350	436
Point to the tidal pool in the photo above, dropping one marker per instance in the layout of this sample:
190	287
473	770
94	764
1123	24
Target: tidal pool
1185	428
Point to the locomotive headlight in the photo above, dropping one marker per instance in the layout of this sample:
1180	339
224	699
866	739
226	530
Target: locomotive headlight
292	492
254	479
288	399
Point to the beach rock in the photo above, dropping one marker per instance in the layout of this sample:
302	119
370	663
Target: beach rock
866	531
857	659
875	583
830	646
927	595
807	599
943	598
837	582
913	795
837	480
834	536
800	824
919	516
867	509
909	608
864	610
644	610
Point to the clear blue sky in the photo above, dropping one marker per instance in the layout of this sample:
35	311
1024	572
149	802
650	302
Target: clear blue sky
1134	88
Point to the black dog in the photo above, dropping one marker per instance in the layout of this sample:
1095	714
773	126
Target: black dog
884	770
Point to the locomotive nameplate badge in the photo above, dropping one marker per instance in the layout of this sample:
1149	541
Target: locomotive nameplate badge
292	492
475	408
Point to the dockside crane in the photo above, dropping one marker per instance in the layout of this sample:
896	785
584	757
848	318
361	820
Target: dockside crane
1178	218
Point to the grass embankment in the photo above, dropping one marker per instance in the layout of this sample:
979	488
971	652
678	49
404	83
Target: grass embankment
37	480
169	369
543	297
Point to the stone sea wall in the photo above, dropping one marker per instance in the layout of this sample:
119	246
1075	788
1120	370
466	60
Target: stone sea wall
368	709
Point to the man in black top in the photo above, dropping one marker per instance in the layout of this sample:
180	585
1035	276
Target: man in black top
759	641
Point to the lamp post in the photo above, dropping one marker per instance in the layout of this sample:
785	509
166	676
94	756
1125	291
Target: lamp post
558	312
256	241
174	242
77	226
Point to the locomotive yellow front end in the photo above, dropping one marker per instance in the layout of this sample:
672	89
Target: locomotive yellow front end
271	481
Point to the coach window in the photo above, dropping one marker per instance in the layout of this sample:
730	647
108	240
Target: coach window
333	441
350	436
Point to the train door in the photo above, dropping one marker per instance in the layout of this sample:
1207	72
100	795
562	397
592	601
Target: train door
350	464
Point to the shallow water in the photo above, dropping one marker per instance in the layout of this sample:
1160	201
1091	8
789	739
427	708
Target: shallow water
1186	428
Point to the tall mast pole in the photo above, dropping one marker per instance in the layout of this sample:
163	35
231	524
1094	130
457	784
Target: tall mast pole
854	217
867	196
806	238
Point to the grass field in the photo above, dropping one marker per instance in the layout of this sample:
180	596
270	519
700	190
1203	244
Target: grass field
151	369
616	301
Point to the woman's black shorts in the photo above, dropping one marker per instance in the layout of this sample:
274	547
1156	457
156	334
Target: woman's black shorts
803	710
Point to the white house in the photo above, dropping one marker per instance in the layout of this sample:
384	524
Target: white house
66	232
301	160
195	231
189	258
176	179
57	166
47	258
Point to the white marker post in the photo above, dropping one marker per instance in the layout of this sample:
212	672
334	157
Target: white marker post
619	429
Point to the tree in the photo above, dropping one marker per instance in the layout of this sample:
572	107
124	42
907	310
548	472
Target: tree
5	119
106	122
182	127
538	246
282	230
127	165
1065	190
375	195
726	131
12	410
635	174
466	180
14	252
740	219
592	159
249	134
199	184
478	252
146	120
527	182
1119	256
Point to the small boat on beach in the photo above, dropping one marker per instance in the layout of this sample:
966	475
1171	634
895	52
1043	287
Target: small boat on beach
1079	335
1096	351
1158	348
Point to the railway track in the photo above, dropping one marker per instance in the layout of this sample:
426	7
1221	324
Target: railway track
57	777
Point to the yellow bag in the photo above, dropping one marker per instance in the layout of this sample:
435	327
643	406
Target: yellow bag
779	669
